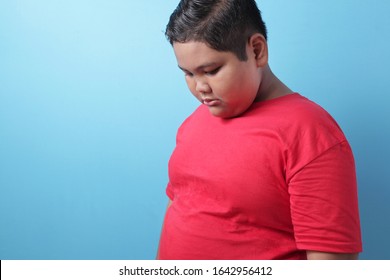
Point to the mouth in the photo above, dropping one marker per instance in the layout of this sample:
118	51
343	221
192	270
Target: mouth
211	102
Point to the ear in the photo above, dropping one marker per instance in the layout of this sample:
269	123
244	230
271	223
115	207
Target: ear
259	49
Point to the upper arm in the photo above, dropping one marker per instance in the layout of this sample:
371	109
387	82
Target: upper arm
316	255
324	204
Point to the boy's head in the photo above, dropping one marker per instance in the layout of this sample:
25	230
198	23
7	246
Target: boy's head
223	25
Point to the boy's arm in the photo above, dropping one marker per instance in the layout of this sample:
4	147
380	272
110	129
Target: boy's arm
316	255
158	250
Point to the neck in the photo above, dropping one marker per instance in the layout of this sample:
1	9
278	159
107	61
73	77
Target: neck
271	87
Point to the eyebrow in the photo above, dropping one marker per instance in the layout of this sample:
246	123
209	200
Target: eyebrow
206	65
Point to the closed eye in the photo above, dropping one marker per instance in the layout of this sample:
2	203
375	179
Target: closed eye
188	74
212	72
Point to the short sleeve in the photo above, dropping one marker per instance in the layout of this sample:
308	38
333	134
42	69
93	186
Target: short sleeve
324	203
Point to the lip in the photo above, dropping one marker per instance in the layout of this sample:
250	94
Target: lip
211	102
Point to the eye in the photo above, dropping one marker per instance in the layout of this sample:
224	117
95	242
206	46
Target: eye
188	74
212	72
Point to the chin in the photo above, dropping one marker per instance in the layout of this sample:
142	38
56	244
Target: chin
223	114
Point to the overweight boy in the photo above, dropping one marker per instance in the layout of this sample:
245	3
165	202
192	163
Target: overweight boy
259	171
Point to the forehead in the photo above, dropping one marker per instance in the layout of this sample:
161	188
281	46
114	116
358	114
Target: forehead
195	54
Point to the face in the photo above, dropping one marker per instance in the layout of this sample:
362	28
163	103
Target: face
219	80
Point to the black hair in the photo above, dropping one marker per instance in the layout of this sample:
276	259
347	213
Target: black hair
224	25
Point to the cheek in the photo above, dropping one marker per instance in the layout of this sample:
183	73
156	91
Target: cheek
251	80
233	87
192	87
233	83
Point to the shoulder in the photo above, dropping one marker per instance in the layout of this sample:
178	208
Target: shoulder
308	132
301	109
302	118
295	116
303	128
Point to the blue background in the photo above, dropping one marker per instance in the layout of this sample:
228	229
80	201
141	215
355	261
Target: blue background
91	98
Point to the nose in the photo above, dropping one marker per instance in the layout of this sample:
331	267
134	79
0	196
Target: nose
202	86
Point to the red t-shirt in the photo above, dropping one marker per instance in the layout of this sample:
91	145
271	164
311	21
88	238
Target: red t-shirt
270	184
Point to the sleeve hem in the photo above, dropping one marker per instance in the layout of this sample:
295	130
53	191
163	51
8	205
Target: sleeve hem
351	248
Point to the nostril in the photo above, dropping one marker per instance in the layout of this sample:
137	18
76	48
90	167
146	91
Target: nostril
202	87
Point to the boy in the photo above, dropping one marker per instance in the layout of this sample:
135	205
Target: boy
258	172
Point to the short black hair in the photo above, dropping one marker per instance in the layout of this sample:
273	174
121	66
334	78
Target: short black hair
224	25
